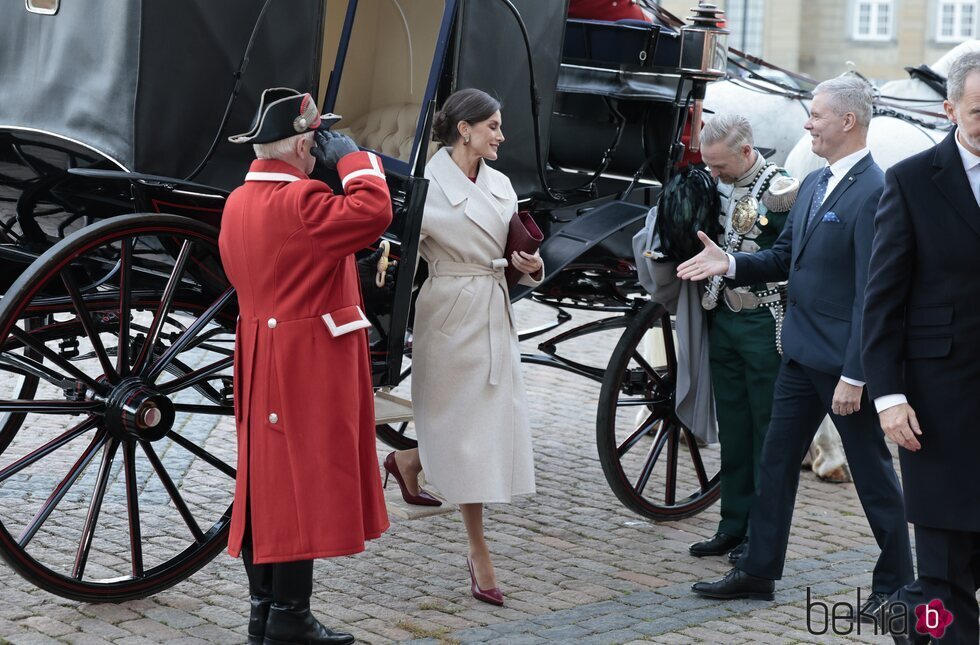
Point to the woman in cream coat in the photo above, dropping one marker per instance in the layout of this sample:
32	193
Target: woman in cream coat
467	391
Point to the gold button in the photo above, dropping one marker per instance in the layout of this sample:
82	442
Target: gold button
272	323
273	418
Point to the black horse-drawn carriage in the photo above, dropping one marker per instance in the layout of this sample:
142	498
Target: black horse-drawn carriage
116	323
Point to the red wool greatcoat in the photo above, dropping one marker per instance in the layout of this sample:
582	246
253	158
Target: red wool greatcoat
304	408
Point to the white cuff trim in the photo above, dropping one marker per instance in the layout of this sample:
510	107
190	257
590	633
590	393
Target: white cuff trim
882	403
374	171
340	330
270	176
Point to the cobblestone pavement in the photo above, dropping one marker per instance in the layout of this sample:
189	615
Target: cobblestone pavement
575	565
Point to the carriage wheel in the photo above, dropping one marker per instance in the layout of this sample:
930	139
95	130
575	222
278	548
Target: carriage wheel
119	481
400	436
651	461
16	386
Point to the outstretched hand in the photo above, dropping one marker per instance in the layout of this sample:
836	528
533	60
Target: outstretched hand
711	261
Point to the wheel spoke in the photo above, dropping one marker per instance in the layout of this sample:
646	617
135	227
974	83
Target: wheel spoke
200	452
189	334
652	373
29	366
133	508
58	360
634	403
692	447
193	408
652	456
92	517
85	318
47	448
670	483
175	495
197	376
638	434
146	352
60	491
51	407
125	275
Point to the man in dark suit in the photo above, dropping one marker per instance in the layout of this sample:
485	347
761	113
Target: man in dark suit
824	251
922	354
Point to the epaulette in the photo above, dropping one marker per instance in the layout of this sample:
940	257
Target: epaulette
781	193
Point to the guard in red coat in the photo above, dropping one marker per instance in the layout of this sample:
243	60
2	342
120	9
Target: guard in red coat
308	484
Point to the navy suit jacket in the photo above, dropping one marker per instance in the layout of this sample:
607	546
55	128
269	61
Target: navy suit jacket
922	329
827	268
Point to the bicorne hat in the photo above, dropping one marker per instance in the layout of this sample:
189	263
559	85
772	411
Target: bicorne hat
282	113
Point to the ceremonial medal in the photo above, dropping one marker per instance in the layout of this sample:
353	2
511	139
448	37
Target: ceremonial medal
745	214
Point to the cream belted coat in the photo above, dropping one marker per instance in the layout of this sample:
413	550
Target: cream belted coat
467	391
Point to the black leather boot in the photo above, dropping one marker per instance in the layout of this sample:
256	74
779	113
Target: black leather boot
290	621
260	595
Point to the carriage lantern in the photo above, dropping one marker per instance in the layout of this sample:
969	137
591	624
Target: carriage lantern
704	57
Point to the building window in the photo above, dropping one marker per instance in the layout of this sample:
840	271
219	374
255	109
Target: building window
873	19
745	22
956	20
49	7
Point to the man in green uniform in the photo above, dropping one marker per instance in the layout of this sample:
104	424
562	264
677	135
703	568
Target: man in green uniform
755	198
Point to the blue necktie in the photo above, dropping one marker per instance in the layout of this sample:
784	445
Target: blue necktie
819	194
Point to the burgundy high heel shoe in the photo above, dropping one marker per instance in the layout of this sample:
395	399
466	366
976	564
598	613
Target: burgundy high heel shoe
422	499
491	596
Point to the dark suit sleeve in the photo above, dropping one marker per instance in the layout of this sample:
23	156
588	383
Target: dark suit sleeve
768	265
864	232
892	262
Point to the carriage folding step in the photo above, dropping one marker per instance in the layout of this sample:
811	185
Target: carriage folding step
389	408
573	240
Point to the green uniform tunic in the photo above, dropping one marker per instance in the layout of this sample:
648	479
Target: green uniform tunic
744	362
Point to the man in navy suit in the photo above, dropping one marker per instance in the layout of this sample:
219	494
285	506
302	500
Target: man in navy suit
922	356
824	251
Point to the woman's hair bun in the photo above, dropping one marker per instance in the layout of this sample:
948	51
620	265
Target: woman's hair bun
470	105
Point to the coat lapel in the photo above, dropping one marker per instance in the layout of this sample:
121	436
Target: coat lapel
483	203
950	178
842	187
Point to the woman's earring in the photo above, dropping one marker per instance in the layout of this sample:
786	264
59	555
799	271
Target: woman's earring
466	140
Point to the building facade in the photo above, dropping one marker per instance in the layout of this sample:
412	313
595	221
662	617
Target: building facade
880	37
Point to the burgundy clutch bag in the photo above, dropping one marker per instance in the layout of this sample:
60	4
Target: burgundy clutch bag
524	235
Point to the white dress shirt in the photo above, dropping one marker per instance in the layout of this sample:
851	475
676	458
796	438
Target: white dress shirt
971	164
839	169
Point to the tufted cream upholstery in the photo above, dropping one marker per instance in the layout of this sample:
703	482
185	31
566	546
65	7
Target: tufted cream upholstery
388	130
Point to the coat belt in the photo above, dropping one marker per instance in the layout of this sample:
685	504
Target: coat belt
497	329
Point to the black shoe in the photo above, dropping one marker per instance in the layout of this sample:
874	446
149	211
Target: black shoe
290	625
737	552
260	596
257	619
870	611
290	621
720	544
736	584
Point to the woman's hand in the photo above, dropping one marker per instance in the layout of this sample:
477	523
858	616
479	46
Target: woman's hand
526	263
